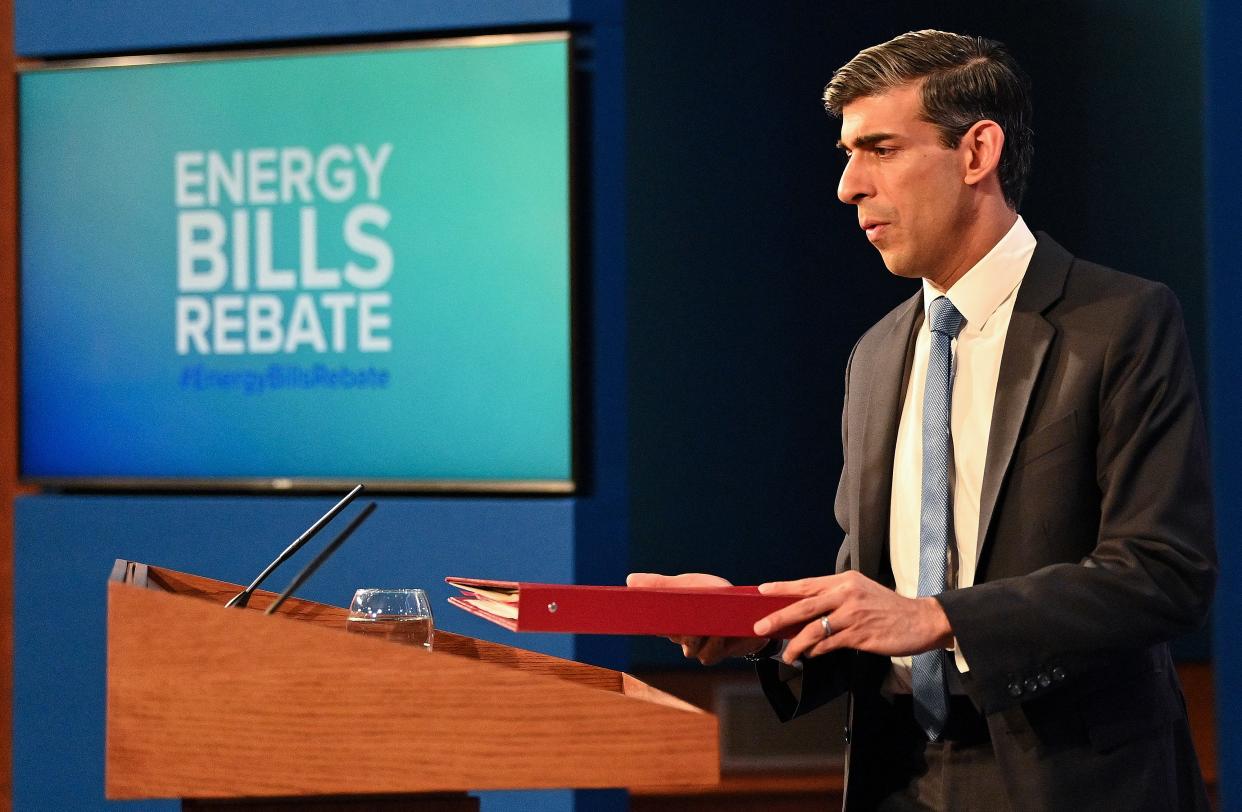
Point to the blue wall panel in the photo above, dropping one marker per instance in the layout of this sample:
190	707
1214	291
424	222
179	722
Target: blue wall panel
1222	30
64	27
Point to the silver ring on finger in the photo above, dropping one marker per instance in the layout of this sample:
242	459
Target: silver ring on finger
823	624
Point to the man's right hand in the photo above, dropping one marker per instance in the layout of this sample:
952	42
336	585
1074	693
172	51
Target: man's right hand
707	650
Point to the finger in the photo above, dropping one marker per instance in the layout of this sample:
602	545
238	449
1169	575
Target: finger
796	612
686	579
802	586
691	646
802	642
838	637
655	579
826	645
815	639
713	650
716	649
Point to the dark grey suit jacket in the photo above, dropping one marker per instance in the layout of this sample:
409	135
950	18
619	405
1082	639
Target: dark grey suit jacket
1095	545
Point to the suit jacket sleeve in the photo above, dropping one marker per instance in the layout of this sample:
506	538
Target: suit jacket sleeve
1151	572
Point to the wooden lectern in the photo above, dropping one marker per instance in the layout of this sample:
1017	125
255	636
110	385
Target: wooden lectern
232	709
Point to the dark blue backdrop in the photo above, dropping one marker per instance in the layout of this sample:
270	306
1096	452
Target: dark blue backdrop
1223	27
724	284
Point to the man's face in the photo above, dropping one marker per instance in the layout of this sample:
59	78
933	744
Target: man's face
908	187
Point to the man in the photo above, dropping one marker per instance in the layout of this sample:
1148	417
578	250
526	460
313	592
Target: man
1025	494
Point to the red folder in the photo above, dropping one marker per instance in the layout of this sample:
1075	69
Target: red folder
702	611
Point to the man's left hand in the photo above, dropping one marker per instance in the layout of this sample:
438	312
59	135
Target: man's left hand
862	615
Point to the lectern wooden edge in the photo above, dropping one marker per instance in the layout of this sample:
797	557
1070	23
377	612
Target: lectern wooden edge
205	702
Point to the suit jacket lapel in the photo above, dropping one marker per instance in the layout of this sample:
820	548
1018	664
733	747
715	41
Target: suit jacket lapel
1026	347
889	377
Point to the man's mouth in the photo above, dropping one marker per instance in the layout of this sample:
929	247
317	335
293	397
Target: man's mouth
874	228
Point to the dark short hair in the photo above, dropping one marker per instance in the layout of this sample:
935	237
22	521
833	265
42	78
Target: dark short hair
966	79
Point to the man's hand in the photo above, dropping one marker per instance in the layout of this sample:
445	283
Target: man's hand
862	615
707	650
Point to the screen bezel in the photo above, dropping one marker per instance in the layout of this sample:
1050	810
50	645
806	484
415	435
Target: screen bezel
296	484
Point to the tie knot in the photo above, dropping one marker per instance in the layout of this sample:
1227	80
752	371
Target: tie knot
944	317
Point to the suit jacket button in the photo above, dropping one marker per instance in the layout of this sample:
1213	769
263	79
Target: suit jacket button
1015	689
1044	679
1031	684
1058	673
846	733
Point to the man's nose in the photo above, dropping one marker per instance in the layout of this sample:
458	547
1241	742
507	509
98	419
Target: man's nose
854	185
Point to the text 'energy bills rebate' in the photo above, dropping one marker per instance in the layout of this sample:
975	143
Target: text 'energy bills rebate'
223	307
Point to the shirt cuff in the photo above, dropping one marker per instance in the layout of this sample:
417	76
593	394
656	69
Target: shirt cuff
958	657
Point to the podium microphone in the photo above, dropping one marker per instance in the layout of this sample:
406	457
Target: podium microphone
242	598
323	555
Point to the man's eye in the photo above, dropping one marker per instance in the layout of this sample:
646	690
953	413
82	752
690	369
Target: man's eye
883	152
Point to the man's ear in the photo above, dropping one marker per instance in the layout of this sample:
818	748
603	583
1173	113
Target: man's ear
981	150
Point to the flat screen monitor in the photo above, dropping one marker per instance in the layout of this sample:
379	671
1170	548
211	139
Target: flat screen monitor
299	268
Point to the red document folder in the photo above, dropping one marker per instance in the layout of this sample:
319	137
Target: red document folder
704	611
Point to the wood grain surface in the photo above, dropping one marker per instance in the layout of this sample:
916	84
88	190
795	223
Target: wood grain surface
459	802
333	617
207	702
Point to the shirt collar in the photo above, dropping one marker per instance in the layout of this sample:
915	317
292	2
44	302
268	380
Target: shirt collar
992	279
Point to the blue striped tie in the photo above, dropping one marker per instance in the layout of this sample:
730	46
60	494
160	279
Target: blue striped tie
931	697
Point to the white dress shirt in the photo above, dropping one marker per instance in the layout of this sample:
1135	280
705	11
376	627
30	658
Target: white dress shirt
984	296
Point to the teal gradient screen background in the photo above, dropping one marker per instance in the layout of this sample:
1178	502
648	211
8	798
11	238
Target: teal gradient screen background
472	377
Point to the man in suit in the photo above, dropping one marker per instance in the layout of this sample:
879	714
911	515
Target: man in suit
1025	495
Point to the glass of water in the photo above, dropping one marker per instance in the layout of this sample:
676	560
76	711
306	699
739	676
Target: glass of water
401	615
